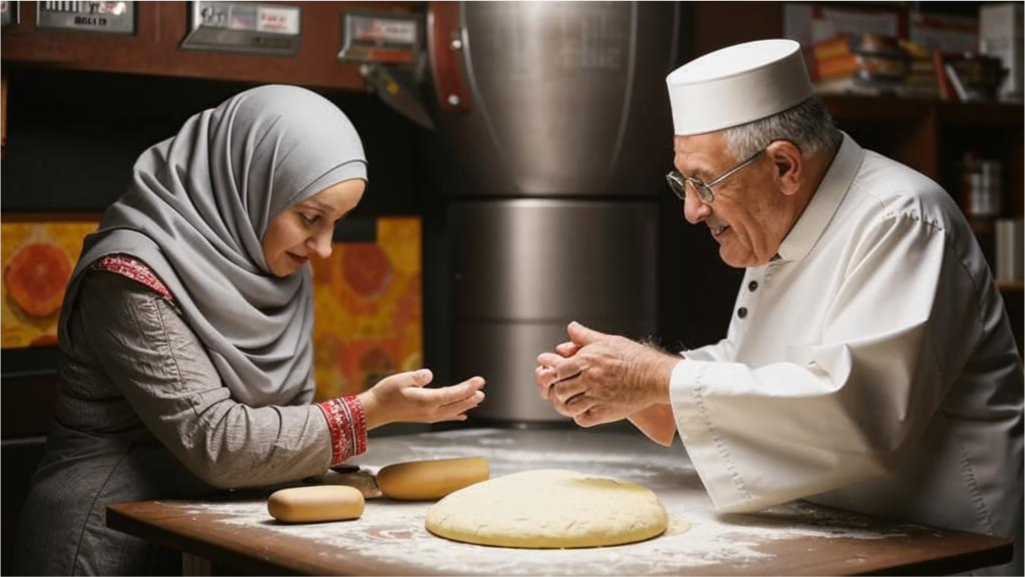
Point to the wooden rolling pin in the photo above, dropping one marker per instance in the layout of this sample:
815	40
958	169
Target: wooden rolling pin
430	480
343	497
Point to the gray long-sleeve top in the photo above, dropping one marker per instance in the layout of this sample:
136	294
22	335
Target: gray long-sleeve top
141	414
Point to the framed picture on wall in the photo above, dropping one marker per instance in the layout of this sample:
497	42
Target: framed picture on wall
271	29
368	317
38	251
8	12
102	17
368	309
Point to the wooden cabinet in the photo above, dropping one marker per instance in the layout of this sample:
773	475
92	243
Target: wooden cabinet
160	28
933	136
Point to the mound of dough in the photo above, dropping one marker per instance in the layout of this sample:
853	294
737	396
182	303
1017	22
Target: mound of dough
549	509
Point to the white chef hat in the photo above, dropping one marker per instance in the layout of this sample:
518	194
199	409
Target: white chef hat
737	85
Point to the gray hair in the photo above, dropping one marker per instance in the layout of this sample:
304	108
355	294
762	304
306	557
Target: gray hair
808	126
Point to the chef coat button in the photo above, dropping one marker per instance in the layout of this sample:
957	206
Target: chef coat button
752	286
742	312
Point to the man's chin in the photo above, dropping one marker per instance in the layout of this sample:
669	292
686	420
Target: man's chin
732	260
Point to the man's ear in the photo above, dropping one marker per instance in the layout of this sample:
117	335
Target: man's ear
788	166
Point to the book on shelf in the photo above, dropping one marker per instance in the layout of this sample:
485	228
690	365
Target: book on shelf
920	81
832	48
922	84
968	77
864	64
943	84
955	82
837	67
860	84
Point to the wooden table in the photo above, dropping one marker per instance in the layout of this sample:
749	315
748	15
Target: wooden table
390	538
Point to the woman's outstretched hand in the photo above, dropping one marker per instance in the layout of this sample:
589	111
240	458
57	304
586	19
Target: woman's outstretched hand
403	398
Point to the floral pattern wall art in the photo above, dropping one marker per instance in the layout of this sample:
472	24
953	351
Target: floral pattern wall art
367	297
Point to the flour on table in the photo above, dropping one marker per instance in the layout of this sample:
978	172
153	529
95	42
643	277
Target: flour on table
392	534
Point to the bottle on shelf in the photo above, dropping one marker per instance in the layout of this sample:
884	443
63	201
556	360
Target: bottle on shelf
982	198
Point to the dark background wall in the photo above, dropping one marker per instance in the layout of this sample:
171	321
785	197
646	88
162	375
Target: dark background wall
74	136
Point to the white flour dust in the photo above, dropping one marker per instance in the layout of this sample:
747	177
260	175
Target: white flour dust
392	533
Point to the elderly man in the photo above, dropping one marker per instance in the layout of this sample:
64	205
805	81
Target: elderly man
869	364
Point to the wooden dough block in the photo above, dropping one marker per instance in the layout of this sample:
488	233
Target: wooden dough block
313	504
429	480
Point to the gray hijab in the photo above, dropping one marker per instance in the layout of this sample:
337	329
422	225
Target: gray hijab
195	213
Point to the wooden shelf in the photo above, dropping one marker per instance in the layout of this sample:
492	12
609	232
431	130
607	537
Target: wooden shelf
876	109
892	108
932	135
160	27
1011	286
981	114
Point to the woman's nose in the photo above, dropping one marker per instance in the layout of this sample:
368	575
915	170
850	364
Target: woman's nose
320	244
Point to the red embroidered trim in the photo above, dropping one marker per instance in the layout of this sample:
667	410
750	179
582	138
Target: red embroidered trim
348	425
359	425
127	266
331	413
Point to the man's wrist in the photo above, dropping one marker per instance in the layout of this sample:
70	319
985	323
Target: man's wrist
658	373
662	375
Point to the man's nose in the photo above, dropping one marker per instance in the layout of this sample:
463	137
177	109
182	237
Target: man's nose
694	210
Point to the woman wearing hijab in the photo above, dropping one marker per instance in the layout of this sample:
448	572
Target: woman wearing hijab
185	335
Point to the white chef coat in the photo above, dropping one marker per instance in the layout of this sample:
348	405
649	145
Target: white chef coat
870	366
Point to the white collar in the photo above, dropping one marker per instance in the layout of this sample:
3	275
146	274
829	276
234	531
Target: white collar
824	202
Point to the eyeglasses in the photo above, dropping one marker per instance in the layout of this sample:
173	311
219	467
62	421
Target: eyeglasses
678	182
